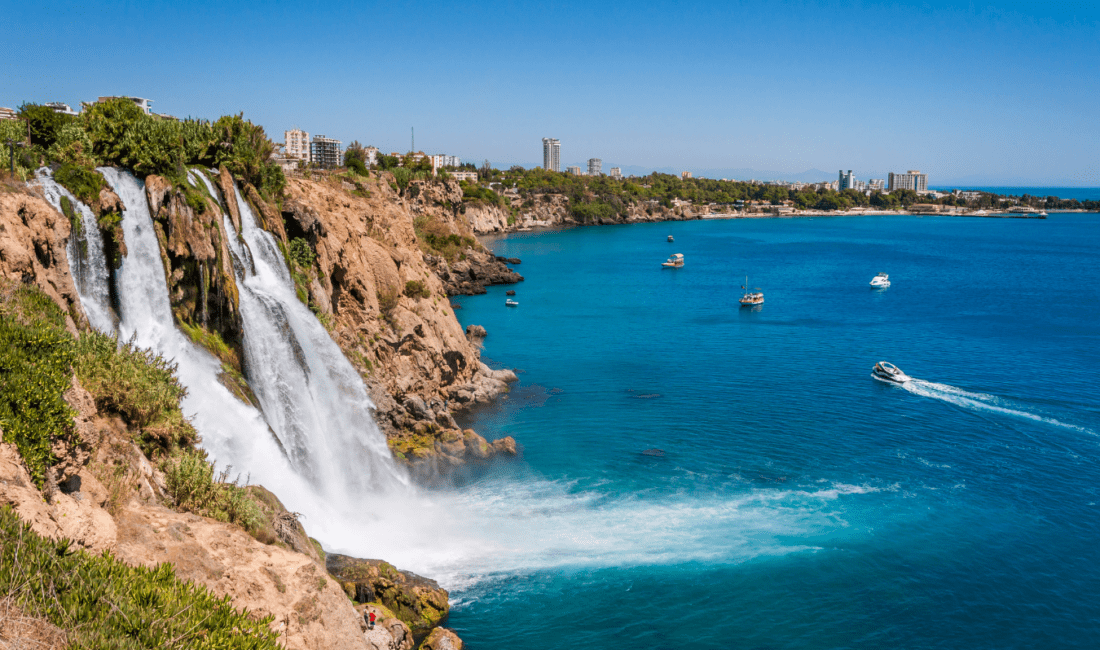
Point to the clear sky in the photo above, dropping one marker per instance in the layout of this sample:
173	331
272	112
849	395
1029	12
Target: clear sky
980	92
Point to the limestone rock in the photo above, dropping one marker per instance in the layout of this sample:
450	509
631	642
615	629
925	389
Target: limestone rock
476	331
419	602
418	409
476	446
505	445
442	639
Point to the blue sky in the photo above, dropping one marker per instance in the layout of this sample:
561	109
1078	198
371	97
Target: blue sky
1004	93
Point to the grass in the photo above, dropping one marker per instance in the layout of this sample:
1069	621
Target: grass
195	486
102	603
436	238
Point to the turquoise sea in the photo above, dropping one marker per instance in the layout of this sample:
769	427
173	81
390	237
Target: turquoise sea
798	503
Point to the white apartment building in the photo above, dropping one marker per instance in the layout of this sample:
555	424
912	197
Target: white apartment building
551	154
443	160
595	166
615	172
876	184
296	145
468	176
58	107
372	155
911	180
576	171
142	103
847	181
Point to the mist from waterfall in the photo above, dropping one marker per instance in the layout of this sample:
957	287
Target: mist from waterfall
87	263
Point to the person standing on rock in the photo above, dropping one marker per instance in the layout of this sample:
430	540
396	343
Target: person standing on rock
370	620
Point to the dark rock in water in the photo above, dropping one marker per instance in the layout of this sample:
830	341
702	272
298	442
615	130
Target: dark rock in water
419	602
653	452
555	391
509	293
508	260
455	305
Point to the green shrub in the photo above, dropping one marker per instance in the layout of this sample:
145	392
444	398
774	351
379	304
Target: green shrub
44	123
300	253
83	182
35	369
137	384
195	487
417	289
103	603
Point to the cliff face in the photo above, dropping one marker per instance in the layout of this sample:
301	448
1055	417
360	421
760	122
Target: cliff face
32	249
553	210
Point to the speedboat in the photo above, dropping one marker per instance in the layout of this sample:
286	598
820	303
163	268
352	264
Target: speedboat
881	280
670	238
674	262
511	303
889	373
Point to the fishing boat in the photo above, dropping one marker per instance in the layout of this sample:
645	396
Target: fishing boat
511	303
674	262
671	239
889	373
880	281
754	297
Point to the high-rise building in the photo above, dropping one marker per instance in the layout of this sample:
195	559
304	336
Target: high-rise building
847	181
911	180
551	154
685	175
297	145
595	166
325	152
576	171
876	184
616	172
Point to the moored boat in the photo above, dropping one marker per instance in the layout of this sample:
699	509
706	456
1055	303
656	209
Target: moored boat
511	303
674	262
754	297
881	280
670	238
889	373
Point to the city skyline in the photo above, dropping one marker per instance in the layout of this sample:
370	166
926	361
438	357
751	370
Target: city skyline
993	93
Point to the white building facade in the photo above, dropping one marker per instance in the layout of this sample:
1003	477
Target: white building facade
551	154
325	152
911	180
595	166
296	145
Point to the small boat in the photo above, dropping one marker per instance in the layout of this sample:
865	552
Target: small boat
511	303
671	239
889	373
881	281
754	297
674	262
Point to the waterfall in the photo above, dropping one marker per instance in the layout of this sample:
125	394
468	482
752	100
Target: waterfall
87	262
234	432
312	397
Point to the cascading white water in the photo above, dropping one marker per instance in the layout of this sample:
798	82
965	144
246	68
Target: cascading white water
87	263
311	396
146	315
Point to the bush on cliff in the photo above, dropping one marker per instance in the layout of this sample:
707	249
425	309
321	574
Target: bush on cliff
36	356
103	603
196	487
138	385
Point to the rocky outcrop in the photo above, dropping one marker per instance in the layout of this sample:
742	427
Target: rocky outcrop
195	251
442	639
471	275
418	602
32	249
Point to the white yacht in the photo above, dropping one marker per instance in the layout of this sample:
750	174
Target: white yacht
881	280
511	303
674	262
889	373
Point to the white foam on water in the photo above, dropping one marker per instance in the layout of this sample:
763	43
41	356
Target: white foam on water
981	402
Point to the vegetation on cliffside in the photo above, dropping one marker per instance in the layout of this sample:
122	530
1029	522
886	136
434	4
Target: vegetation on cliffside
103	603
118	133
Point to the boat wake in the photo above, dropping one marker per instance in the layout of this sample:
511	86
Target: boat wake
983	402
